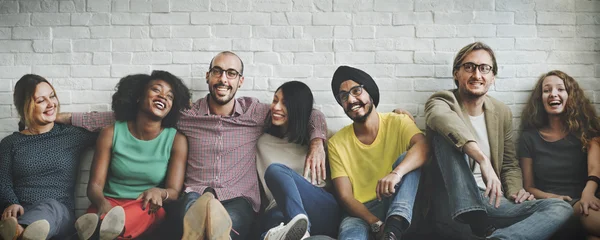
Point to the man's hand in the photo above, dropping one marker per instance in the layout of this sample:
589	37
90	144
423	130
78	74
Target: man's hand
402	111
493	187
64	118
522	196
14	210
315	162
386	185
588	201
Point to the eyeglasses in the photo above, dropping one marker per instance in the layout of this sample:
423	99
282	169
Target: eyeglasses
355	91
470	67
218	72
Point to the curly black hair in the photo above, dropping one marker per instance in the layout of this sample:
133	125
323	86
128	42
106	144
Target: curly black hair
131	88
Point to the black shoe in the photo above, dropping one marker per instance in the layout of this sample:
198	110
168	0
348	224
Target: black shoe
390	236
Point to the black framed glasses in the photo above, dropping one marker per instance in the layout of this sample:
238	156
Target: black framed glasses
483	68
218	72
354	91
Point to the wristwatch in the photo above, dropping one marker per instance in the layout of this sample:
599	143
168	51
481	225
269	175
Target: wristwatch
376	226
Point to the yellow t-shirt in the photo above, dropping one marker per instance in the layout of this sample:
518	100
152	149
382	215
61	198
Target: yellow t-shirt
365	164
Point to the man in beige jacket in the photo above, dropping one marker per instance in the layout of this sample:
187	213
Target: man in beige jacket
477	177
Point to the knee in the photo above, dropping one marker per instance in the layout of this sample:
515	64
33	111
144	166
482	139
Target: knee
349	223
274	170
559	208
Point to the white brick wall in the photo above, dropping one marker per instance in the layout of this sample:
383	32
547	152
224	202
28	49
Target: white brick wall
85	46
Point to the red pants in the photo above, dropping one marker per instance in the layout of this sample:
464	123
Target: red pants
137	221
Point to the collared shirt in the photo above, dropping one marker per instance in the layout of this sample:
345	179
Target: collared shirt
221	149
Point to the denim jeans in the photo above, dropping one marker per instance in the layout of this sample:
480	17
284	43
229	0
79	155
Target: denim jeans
400	204
457	193
295	195
239	209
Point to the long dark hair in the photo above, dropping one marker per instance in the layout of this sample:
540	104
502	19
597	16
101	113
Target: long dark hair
298	100
23	97
131	89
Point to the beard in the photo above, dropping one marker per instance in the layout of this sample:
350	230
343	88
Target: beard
363	118
221	101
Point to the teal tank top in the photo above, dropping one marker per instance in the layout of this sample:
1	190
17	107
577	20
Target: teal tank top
137	165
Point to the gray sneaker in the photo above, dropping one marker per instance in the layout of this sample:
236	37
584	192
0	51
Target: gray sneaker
294	230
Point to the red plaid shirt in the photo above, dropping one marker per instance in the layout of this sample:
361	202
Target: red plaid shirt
221	150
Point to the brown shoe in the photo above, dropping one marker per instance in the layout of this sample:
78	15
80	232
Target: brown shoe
37	230
113	223
194	221
9	229
86	225
218	221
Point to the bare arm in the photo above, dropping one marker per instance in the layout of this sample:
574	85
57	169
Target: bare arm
91	121
529	183
315	159
588	198
99	170
343	190
176	170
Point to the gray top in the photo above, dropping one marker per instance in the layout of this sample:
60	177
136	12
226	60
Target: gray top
559	167
37	167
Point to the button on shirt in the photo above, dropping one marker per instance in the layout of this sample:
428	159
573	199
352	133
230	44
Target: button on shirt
222	149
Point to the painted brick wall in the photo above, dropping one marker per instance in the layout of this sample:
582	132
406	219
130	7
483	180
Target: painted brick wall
84	47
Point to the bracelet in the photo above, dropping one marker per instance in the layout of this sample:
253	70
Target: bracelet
595	179
394	172
167	191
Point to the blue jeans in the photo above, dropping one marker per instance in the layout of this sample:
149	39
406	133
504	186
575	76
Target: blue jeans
457	193
239	209
295	195
400	204
61	219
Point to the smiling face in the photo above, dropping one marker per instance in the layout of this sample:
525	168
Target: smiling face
358	108
279	115
45	105
554	95
475	84
222	89
157	99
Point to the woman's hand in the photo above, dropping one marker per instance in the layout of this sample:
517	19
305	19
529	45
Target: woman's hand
564	198
588	201
152	197
13	211
104	207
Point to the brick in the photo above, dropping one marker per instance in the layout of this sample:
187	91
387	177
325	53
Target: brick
476	30
162	6
272	32
252	44
443	71
192	57
15	46
14	72
372	18
251	18
534	44
211	44
190	31
160	32
71	32
270	58
79	5
90	19
7	59
189	6
436	31
433	5
407	18
104	83
72	58
130	19
52	71
98	6
556	18
110	32
452	17
29	6
394	31
587	18
272	5
587	6
92	45
211	18
123	70
353	5
393	6
285	45
140	6
498	43
554	5
175	44
139	32
5	33
50	19
584	31
49	6
132	45
121	58
323	45
434	57
476	5
42	46
230	31
413	44
525	18
177	70
346	31
9	7
31	33
152	58
120	6
14	20
33	59
511	85
332	19
313	58
354	57
102	58
515	5
343	45
67	7
562	57
393	57
451	44
373	44
292	71
517	57
574	44
555	31
433	85
61	45
291	18
8	125
516	31
90	97
318	32
494	17
169	18
359	32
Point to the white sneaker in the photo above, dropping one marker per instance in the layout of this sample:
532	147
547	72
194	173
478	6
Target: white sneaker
294	230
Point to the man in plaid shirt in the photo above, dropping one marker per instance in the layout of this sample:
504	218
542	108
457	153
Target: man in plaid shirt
222	133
